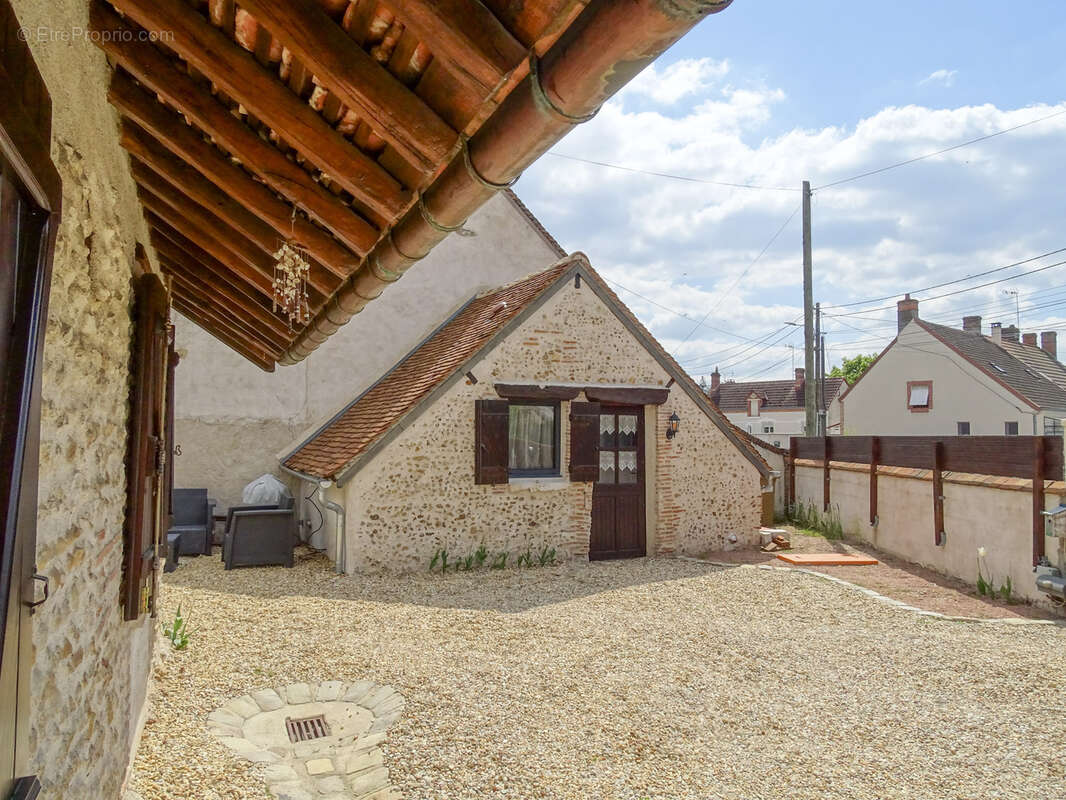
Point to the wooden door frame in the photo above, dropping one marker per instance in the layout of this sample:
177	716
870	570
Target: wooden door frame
639	489
25	157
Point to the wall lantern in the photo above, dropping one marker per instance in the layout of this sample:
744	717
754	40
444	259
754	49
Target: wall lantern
672	425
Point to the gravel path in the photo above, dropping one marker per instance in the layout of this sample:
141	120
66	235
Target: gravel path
640	679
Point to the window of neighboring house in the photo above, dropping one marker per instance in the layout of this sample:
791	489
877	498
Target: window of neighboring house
962	428
533	439
1052	426
777	442
1010	428
919	395
768	427
753	407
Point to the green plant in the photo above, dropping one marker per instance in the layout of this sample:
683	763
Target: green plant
807	517
443	561
500	561
987	588
481	554
435	560
178	631
546	556
1006	589
468	563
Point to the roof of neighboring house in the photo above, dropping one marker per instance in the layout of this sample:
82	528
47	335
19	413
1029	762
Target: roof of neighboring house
411	385
733	395
1025	369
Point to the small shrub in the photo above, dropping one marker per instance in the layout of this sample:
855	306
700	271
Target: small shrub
481	554
468	563
178	631
500	561
546	556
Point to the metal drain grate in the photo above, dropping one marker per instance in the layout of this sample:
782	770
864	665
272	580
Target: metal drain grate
306	729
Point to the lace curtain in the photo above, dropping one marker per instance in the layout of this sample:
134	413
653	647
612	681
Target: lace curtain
531	438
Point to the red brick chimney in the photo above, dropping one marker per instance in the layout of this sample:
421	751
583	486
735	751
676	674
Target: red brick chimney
716	379
1010	333
971	324
800	381
906	310
1029	339
1049	343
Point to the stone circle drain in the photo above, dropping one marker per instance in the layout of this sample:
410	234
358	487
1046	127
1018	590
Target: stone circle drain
314	741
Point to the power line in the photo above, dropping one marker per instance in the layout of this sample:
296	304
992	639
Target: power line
938	152
946	283
962	291
740	277
687	178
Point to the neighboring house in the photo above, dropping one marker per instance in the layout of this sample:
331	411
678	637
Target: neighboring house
773	410
233	419
937	380
536	416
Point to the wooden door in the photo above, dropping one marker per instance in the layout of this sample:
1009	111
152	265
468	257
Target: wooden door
618	521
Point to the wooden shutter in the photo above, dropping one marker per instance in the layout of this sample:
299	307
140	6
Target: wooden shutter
168	433
491	418
584	441
145	448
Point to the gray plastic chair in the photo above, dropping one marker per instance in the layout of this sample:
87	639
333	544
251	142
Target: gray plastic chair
232	512
192	521
260	538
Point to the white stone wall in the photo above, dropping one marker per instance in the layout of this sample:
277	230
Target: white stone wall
90	668
418	493
233	419
979	511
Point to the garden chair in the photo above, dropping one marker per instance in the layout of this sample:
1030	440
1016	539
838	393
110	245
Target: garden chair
193	521
260	538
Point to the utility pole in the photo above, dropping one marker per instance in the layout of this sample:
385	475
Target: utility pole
819	375
810	426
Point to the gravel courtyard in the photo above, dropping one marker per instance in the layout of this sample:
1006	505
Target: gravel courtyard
640	679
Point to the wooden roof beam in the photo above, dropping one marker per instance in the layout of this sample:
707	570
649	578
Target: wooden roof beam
208	294
156	212
465	36
266	241
209	307
393	111
144	147
235	299
267	162
257	356
202	228
239	75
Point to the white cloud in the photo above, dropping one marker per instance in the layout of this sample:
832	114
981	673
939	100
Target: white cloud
683	245
943	77
686	77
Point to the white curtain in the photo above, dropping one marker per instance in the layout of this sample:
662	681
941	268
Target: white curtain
531	437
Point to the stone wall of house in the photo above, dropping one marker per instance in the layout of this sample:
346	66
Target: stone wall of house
232	419
418	493
90	669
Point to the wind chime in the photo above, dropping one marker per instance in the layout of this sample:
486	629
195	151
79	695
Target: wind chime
291	267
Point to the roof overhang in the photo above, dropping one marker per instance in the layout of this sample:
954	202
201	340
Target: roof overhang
360	133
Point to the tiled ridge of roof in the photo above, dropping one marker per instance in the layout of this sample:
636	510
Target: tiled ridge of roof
399	391
733	395
1005	363
536	223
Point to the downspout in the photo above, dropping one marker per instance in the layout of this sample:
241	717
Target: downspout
342	533
342	538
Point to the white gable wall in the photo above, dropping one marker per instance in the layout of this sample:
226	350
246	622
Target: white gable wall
877	403
232	418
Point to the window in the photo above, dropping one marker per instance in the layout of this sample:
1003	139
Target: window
919	395
1010	428
777	442
768	427
1052	426
753	407
533	439
962	428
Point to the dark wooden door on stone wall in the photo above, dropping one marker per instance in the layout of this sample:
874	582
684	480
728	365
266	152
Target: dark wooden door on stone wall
618	521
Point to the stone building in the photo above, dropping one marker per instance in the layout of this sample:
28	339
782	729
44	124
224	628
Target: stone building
232	420
540	415
164	154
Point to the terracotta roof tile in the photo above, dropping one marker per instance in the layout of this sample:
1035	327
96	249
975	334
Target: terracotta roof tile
400	390
733	396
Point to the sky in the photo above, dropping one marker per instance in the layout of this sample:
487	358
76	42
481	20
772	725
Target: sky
773	92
